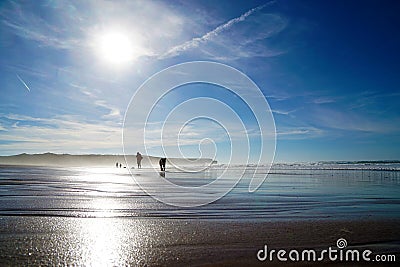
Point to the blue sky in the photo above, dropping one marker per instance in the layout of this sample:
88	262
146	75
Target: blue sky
328	69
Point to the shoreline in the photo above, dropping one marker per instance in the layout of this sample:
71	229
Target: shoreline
180	242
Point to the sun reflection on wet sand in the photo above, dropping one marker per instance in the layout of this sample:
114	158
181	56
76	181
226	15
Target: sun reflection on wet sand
107	242
105	245
103	207
101	238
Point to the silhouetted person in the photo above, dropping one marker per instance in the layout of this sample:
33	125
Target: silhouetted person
139	160
120	165
162	164
116	165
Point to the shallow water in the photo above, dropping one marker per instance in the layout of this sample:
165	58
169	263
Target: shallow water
100	217
290	192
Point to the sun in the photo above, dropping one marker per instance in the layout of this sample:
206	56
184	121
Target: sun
115	47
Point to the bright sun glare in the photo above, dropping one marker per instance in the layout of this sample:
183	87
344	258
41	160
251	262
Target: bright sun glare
115	47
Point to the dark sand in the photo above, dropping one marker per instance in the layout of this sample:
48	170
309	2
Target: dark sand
175	242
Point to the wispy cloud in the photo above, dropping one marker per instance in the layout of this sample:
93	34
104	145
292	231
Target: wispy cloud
282	112
297	133
372	99
2	128
243	47
324	100
27	70
58	134
114	113
76	26
32	27
348	120
209	35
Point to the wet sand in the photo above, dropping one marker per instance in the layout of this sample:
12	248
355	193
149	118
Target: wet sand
29	240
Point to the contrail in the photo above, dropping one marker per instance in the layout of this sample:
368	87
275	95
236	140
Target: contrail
209	35
22	81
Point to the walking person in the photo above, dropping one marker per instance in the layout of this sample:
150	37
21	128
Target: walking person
162	164
139	158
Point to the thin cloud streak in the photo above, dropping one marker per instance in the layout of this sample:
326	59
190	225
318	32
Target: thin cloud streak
282	112
347	120
195	42
114	112
299	133
37	34
24	83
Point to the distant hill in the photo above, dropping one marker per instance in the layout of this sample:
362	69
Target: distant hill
91	160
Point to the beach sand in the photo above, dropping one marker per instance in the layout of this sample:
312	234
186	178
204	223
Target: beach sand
35	240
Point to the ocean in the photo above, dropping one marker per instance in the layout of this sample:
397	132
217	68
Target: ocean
291	191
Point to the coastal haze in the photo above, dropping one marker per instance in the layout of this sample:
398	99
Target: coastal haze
67	160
